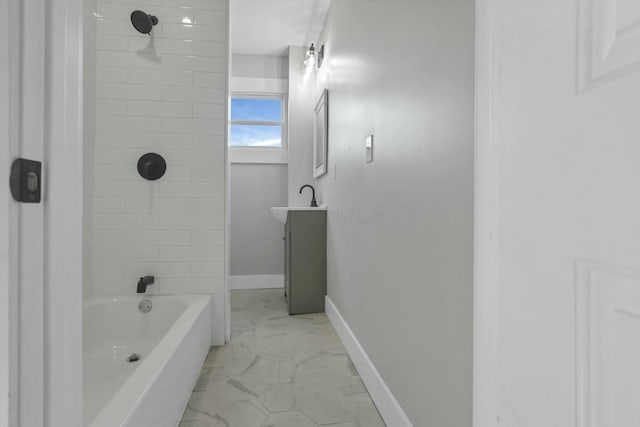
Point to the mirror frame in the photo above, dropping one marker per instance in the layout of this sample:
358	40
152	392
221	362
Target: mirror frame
321	120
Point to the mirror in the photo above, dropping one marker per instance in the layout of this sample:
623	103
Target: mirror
320	135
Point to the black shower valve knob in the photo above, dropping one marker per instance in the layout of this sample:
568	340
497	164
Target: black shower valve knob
152	166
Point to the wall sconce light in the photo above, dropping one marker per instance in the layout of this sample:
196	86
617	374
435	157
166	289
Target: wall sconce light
314	57
311	57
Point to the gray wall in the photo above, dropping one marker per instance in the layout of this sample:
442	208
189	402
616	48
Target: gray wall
400	233
256	237
263	66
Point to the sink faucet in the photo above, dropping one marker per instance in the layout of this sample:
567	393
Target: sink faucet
313	204
144	282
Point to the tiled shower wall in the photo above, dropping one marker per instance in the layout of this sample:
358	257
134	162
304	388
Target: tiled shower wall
164	93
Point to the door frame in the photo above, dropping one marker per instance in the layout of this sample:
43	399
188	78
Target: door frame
8	218
63	259
486	228
51	352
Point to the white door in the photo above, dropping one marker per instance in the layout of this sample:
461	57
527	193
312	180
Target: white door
41	244
558	220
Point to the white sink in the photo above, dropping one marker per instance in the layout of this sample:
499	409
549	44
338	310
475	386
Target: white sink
281	213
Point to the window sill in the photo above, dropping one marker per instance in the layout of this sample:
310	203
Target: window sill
258	155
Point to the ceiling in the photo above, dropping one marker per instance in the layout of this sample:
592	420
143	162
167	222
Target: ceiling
267	27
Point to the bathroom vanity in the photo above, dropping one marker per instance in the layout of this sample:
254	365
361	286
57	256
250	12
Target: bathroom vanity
305	258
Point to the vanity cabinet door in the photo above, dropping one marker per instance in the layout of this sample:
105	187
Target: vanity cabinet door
306	268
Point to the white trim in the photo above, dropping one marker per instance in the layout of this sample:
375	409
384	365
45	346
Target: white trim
388	406
259	85
8	219
265	281
258	155
63	249
227	190
486	228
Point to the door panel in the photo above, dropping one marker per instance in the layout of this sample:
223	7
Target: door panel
609	34
608	327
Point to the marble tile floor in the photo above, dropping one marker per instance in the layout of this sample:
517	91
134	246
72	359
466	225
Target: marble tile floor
278	371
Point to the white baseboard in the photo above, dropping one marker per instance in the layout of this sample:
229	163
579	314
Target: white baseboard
265	281
385	401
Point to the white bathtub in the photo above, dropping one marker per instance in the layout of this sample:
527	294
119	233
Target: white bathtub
173	340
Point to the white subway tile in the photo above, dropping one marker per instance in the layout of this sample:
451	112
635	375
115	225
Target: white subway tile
160	141
156	206
114	172
109	238
112	26
207	269
159	270
128	91
109	10
159	109
209	142
158	237
178	15
194	32
208	48
175	254
134	254
193	94
205	254
191	222
162	46
197	4
108	205
109	254
207	206
178	157
160	77
124	222
112	42
140	205
208	111
131	124
211	157
207	238
169	286
210	17
213	80
207	174
111	107
193	63
106	189
111	75
177	174
107	152
137	2
189	190
194	126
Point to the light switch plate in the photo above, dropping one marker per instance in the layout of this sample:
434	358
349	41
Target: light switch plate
368	145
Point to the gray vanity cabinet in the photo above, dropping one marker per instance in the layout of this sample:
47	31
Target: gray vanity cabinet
305	261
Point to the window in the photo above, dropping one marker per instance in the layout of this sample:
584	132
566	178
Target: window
257	121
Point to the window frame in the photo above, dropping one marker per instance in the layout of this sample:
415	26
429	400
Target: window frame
283	124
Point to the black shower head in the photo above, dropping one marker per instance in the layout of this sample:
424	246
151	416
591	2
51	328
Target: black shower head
143	22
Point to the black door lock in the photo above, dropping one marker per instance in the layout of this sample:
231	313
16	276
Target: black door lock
26	180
